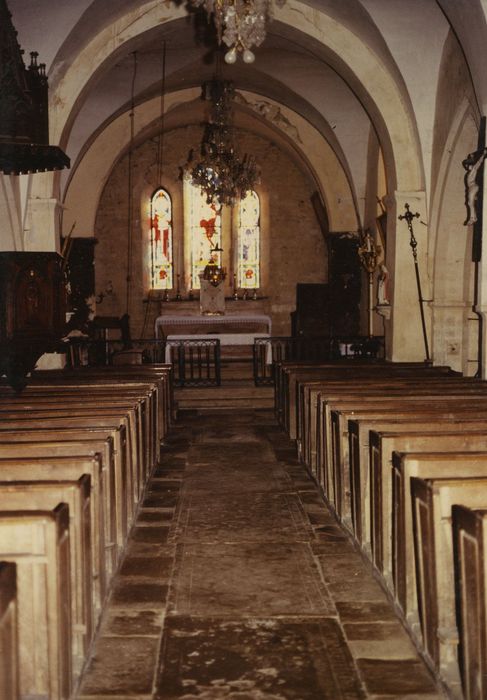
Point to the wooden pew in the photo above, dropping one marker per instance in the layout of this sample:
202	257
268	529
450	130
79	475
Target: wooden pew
353	448
66	461
432	501
60	442
74	429
382	445
46	495
360	377
78	407
360	403
424	466
288	374
109	398
469	542
92	417
162	374
38	543
147	391
9	648
312	394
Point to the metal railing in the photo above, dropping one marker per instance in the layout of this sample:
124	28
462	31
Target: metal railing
89	352
195	362
268	351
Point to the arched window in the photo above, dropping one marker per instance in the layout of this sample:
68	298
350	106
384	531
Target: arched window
205	234
248	236
161	255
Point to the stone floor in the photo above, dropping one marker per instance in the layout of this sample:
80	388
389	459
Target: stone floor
239	585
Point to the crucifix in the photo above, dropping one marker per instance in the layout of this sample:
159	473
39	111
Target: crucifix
408	217
474	185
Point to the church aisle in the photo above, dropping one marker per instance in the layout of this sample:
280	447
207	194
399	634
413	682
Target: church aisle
239	585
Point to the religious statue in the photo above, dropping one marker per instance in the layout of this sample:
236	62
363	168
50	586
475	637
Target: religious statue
472	165
383	286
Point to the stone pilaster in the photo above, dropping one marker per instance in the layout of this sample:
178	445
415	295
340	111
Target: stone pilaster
41	232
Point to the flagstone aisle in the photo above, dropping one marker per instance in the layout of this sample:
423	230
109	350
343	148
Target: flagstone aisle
239	585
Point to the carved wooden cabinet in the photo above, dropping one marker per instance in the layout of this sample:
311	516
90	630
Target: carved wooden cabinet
344	284
32	310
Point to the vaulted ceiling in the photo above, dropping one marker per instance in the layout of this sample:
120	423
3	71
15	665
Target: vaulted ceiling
325	61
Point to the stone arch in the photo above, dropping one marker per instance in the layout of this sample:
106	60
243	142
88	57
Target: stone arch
454	324
367	72
93	169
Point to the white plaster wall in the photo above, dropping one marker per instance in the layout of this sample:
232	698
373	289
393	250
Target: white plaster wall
415	32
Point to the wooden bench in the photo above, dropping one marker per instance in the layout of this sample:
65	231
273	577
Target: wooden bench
39	443
329	438
351	449
111	385
84	418
9	647
382	445
39	462
432	501
425	466
110	398
469	542
309	414
288	374
38	543
46	495
79	407
116	451
162	374
372	377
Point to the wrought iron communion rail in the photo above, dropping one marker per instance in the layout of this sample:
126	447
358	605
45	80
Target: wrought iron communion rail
268	351
195	362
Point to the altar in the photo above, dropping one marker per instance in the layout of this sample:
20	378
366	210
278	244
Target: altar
187	325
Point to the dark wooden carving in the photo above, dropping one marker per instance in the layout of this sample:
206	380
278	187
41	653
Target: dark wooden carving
32	311
311	316
344	284
24	129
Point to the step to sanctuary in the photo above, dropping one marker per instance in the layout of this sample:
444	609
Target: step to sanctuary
231	395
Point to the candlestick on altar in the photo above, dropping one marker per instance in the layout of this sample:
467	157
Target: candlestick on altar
235	292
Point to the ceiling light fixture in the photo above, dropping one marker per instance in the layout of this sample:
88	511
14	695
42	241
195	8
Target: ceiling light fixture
240	24
221	174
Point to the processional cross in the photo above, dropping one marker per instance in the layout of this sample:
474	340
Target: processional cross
408	217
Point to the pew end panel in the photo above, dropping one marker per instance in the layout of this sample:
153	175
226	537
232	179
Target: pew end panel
41	554
9	646
433	500
469	542
45	495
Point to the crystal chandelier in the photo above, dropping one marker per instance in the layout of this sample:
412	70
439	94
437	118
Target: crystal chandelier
220	173
240	24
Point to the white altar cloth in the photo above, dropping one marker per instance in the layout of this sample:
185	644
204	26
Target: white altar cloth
224	338
216	320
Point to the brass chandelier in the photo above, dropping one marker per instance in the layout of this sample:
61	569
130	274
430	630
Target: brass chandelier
240	24
220	173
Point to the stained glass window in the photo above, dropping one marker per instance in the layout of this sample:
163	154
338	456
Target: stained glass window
248	261
161	256
205	224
